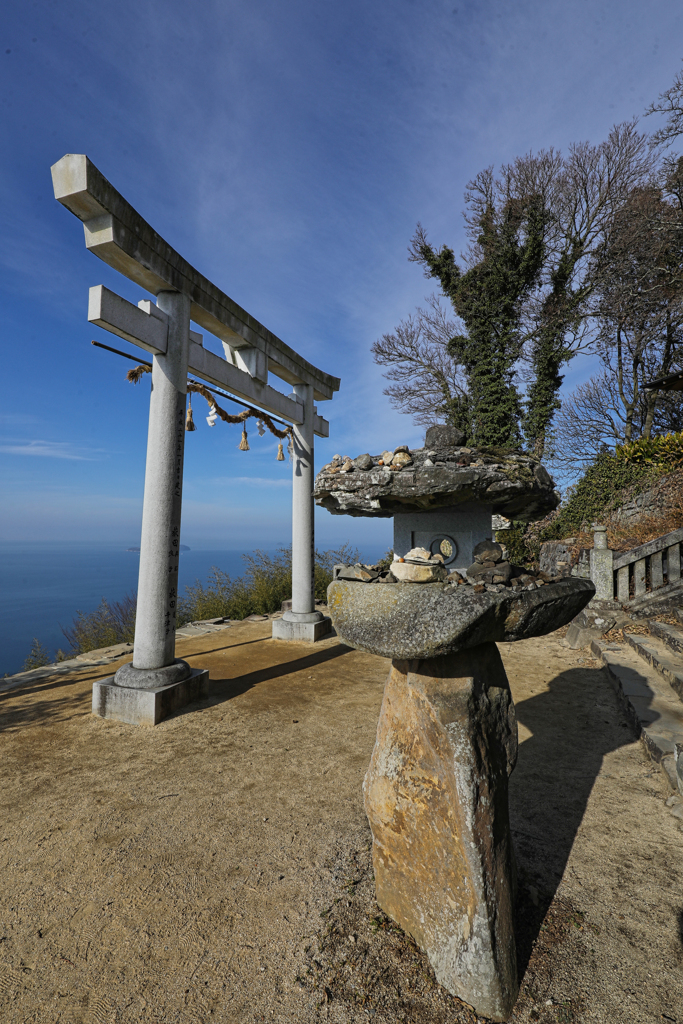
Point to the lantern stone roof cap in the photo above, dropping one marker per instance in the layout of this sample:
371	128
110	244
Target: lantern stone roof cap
440	475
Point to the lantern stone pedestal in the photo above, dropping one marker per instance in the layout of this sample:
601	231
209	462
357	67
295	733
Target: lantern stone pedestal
436	796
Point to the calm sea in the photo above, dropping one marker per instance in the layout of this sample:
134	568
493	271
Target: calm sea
42	587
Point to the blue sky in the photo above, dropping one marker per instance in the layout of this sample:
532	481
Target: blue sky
287	150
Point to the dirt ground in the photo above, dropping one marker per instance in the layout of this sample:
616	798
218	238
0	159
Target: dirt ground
216	868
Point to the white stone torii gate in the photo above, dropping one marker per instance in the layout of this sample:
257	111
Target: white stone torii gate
156	683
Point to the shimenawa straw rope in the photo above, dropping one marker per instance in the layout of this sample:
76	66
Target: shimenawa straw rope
137	372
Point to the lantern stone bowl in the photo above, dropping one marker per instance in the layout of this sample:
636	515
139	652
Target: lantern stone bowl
430	620
436	790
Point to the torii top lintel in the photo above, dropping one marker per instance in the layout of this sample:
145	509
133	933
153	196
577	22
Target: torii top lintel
117	233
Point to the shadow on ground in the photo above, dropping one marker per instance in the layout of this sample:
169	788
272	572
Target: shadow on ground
20	708
363	960
227	688
574	724
72	696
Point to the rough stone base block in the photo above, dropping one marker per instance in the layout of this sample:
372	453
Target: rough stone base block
285	630
436	795
147	707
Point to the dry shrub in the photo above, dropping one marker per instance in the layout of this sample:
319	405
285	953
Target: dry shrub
624	536
266	583
109	624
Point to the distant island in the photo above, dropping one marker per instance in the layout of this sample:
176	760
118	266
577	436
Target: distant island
183	547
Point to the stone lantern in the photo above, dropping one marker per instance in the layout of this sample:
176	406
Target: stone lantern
436	791
442	496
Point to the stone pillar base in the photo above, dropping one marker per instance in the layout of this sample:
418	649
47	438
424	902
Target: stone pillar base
284	629
436	795
139	706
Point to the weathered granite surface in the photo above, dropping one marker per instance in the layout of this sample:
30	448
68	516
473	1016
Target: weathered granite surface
436	796
428	620
516	486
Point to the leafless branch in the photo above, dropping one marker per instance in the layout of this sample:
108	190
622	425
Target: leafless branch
669	102
424	375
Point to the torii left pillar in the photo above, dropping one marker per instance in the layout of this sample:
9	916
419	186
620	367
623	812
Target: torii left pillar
157	683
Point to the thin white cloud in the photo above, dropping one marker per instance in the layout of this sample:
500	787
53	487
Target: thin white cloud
52	450
17	419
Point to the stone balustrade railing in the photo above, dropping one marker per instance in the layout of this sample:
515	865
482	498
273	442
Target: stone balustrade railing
662	557
633	575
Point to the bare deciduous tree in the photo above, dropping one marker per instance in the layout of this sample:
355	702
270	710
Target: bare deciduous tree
639	300
590	420
593	418
669	102
426	380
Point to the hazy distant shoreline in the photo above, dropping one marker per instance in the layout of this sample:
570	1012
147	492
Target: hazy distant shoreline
183	547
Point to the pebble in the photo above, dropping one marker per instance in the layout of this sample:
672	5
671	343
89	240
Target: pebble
419	554
672	800
488	551
363	462
387	457
677	811
418	572
401	459
427	462
358	572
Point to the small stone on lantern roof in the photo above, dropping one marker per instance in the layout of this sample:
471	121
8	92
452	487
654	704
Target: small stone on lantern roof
441	435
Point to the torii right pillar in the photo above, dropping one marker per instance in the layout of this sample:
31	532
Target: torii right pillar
303	622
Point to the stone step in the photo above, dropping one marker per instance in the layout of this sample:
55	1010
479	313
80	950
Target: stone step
650	702
670	634
661	657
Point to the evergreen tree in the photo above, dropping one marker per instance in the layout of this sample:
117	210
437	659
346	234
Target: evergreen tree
488	298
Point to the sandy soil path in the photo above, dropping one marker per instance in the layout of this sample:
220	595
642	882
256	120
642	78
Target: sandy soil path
216	868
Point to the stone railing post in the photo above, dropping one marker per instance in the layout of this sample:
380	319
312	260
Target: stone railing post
601	562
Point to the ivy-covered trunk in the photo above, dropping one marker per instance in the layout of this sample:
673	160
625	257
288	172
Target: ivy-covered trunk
488	298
